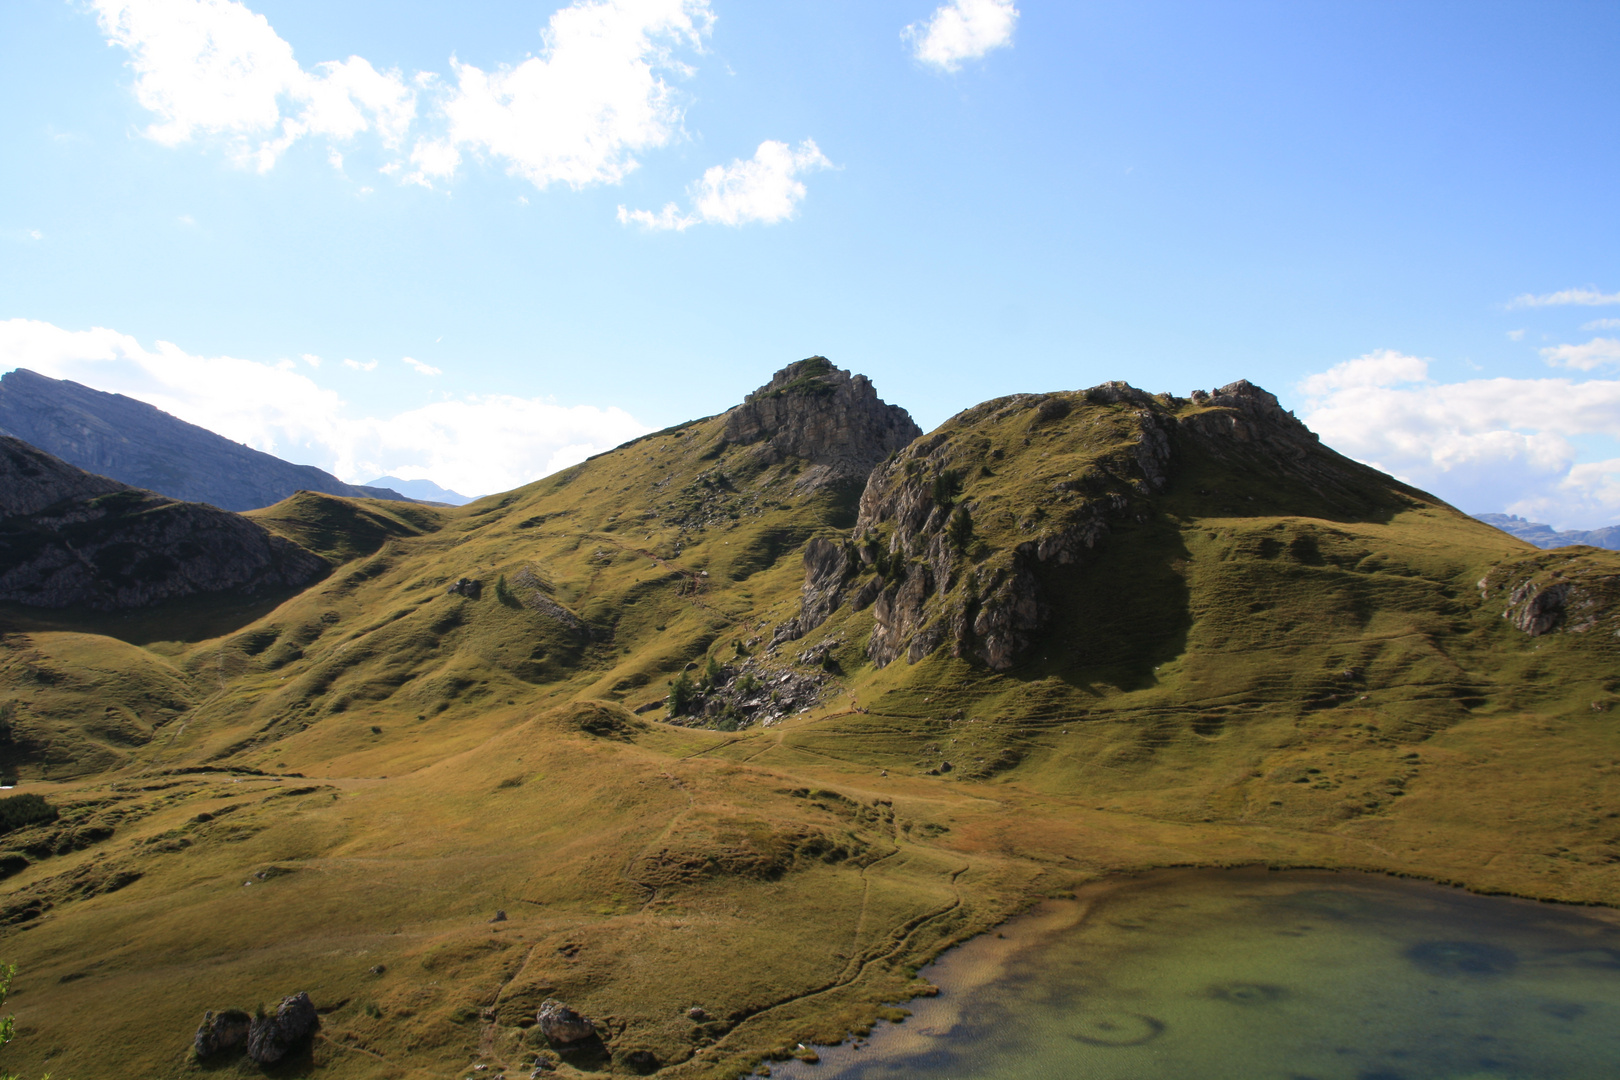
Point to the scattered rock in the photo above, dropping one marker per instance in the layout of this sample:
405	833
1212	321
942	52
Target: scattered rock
560	1024
222	1033
500	916
465	587
378	969
697	1012
271	1038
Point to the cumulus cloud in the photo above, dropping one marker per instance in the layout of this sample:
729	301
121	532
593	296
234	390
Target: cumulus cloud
765	189
962	30
477	443
579	112
1593	354
1590	296
1499	444
214	67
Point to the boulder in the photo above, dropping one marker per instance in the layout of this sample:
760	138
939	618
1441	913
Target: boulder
563	1025
221	1033
271	1038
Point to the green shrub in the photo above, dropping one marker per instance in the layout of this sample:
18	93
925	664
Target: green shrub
680	695
20	811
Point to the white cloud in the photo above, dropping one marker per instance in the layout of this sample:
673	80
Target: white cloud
1498	444
578	113
1589	297
1602	324
764	189
214	67
1593	354
35	234
1515	335
369	365
419	367
479	443
312	360
962	30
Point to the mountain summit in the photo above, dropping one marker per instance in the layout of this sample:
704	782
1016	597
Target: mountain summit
832	421
145	447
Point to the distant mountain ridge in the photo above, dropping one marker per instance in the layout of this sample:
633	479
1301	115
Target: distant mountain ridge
1545	536
145	447
425	490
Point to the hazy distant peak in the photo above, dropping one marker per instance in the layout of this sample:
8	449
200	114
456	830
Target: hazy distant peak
426	490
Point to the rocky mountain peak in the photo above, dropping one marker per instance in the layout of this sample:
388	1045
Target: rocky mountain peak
825	416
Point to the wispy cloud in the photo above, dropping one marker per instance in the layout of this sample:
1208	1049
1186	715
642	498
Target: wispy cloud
1602	324
962	30
419	367
1588	297
475	443
1483	444
764	189
369	365
1593	354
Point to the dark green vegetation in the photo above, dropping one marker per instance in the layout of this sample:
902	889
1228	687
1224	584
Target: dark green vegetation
1062	635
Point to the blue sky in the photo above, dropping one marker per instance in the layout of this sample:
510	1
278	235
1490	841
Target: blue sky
1398	217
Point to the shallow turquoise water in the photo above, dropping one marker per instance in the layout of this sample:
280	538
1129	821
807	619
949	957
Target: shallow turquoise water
1250	975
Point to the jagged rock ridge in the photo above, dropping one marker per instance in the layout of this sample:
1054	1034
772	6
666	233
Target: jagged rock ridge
1545	536
69	538
144	447
922	558
831	420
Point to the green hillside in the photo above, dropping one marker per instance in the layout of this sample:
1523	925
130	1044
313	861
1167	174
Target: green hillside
1061	635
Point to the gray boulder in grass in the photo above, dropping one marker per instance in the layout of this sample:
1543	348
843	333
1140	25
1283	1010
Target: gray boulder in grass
222	1033
560	1024
271	1038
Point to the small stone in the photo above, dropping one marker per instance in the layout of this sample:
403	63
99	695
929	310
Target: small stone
696	1012
500	916
271	1038
378	969
560	1024
221	1033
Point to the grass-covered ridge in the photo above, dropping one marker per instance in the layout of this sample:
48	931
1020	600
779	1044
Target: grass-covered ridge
1264	654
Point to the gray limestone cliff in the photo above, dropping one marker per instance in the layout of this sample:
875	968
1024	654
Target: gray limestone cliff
142	446
827	418
72	539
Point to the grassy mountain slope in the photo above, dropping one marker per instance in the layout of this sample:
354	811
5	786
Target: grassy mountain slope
1062	635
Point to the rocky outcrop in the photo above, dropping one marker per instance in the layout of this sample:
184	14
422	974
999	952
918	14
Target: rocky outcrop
958	532
222	1033
271	1038
144	447
823	416
562	1025
68	539
1564	592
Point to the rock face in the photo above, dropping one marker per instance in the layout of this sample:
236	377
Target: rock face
824	416
957	533
1563	592
271	1038
141	446
222	1033
562	1025
68	538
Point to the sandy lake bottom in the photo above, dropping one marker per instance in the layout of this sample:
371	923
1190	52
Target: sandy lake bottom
1254	975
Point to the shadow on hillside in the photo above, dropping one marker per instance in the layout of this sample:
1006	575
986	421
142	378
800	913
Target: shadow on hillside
188	620
1120	615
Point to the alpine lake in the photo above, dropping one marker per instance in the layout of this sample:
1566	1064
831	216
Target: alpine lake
1257	975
